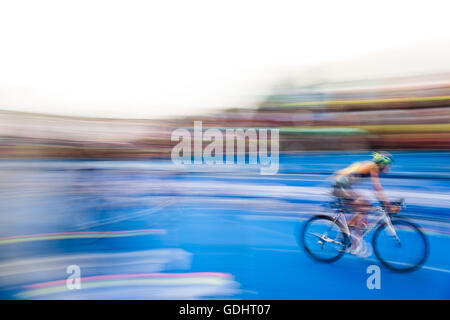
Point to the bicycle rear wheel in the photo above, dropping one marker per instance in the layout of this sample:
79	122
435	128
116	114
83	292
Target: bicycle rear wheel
323	239
405	253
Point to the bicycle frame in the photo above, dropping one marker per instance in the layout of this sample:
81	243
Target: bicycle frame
380	218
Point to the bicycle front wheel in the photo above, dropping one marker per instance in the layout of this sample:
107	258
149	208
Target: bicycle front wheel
323	239
404	253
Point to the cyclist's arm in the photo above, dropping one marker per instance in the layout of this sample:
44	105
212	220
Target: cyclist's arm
378	189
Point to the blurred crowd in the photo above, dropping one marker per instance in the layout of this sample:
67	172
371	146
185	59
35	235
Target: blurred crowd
390	113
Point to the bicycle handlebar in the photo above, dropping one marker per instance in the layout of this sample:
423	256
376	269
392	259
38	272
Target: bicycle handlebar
399	203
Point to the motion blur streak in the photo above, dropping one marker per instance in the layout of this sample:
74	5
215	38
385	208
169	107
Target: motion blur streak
104	195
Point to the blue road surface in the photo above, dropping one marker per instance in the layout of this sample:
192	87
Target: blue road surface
143	229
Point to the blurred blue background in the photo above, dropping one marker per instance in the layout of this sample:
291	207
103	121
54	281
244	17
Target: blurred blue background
139	229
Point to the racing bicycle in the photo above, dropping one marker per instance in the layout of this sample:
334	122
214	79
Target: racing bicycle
399	244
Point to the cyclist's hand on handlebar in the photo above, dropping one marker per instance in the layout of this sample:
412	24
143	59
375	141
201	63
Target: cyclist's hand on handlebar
393	209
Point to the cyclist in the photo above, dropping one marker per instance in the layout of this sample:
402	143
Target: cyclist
342	188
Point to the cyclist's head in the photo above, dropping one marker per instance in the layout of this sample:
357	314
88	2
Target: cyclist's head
383	159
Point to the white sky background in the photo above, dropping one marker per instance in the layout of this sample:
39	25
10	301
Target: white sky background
149	59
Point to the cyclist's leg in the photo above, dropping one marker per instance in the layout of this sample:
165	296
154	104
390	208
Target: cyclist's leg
345	195
358	205
361	208
340	191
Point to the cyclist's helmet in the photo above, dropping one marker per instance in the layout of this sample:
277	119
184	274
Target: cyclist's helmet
382	158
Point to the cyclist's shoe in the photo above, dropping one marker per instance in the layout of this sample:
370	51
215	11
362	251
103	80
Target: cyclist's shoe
362	249
353	243
366	250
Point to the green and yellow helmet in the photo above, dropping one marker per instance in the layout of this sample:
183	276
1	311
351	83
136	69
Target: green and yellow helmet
382	158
